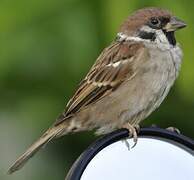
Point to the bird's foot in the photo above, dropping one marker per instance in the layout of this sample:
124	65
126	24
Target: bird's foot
133	131
173	129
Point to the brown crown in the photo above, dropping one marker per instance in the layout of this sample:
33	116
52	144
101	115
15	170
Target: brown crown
141	17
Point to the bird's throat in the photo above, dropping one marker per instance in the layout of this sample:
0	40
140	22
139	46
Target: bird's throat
171	37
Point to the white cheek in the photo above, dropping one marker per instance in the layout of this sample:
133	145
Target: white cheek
147	29
161	37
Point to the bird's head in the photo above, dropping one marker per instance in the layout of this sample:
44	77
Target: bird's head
152	24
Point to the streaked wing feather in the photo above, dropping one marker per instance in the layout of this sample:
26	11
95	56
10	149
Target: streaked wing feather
111	68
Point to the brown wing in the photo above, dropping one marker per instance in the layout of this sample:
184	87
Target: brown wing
114	65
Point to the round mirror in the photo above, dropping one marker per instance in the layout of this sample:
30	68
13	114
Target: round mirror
158	155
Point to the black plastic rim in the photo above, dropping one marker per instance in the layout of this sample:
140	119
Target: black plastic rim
81	163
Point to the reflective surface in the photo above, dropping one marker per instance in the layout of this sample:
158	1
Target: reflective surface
150	159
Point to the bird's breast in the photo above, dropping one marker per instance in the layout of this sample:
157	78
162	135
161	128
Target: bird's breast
165	66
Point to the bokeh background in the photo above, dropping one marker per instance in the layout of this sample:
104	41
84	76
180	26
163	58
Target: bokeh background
46	48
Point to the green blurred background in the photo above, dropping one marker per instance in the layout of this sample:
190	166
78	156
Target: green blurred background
46	48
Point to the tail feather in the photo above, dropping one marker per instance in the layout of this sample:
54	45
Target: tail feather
43	140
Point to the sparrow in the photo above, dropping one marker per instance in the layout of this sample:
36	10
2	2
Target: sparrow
128	81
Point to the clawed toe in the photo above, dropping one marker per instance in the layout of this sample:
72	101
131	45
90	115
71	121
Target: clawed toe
174	129
133	131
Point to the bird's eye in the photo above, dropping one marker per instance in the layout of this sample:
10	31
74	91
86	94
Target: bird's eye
155	22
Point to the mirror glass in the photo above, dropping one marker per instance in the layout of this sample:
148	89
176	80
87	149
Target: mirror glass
150	159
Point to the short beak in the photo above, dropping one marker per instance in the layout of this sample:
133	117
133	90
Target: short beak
175	24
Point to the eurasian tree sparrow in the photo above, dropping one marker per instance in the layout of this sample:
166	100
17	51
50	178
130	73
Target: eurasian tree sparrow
128	81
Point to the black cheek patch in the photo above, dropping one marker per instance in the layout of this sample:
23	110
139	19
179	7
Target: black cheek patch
147	35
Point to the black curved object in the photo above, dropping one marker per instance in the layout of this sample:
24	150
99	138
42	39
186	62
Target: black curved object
81	163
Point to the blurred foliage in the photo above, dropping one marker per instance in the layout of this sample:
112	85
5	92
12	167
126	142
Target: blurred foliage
46	48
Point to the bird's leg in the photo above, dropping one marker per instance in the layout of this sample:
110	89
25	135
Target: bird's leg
137	127
174	129
133	130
